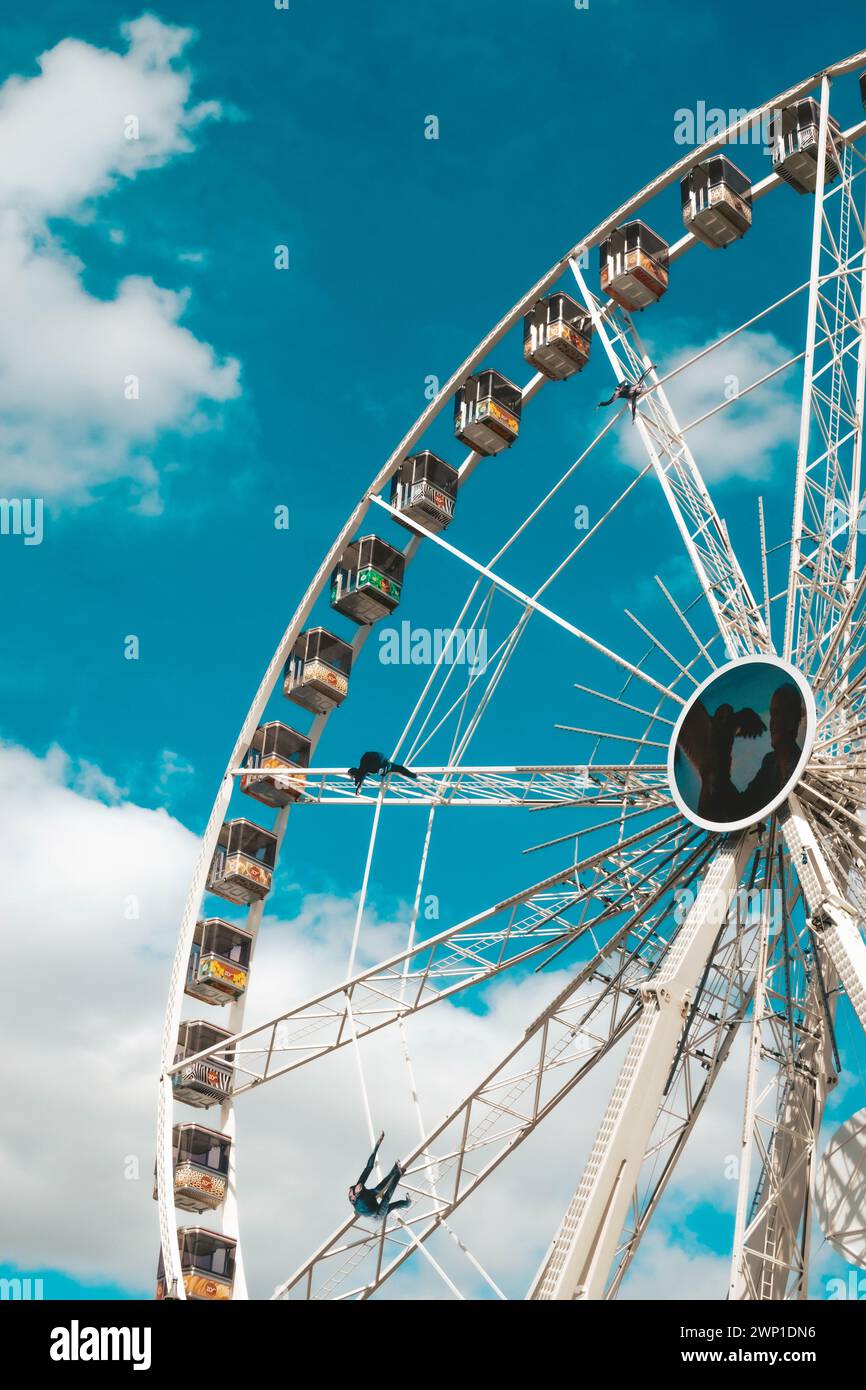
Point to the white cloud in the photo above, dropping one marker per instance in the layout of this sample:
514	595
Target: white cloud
66	132
85	1019
87	385
667	1270
741	439
86	983
92	782
172	765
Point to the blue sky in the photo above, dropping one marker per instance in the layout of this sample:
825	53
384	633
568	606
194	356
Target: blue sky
265	388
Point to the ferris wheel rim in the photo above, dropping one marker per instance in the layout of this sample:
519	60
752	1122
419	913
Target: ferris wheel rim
196	891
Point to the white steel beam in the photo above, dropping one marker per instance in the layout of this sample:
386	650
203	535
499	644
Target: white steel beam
715	1018
827	481
563	1044
584	784
831	915
704	536
469	953
580	1259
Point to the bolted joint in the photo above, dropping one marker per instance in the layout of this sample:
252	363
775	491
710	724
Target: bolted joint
662	997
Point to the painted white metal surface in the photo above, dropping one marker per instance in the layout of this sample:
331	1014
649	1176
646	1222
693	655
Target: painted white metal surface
579	1262
818	823
597	784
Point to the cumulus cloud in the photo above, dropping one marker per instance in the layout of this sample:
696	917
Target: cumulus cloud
88	385
94	896
741	439
93	890
93	117
172	765
668	1270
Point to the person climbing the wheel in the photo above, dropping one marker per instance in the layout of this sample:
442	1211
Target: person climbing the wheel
372	764
630	391
376	1201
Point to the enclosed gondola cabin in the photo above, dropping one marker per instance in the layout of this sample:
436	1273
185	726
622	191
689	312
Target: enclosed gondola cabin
281	750
317	671
201	1167
717	202
367	583
556	336
487	412
424	489
208	1081
207	1262
794	143
634	266
218	970
242	868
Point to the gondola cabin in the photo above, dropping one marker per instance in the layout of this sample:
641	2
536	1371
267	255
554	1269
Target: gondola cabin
207	1262
424	489
219	962
367	583
242	868
209	1081
487	412
276	755
201	1167
556	336
794	143
634	266
717	202
317	671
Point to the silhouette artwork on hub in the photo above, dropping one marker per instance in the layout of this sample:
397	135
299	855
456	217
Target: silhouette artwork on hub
741	744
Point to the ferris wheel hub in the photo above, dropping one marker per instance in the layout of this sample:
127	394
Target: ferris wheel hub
741	743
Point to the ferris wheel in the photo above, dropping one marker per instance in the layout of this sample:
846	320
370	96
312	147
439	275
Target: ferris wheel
709	885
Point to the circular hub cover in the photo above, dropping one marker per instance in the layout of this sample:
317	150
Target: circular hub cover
741	743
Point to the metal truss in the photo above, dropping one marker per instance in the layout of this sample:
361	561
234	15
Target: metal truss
681	991
622	880
790	1072
720	1004
792	1063
704	534
826	897
579	1261
587	784
828	481
598	1006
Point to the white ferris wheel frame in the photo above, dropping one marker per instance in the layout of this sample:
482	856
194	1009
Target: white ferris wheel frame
820	602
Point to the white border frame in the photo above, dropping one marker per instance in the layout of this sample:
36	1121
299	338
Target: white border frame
811	721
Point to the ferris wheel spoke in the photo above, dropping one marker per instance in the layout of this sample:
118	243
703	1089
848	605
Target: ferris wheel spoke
560	1048
461	784
632	876
711	1027
453	960
830	913
828	479
506	647
827	808
789	1073
703	533
648	888
845	650
579	1261
530	602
